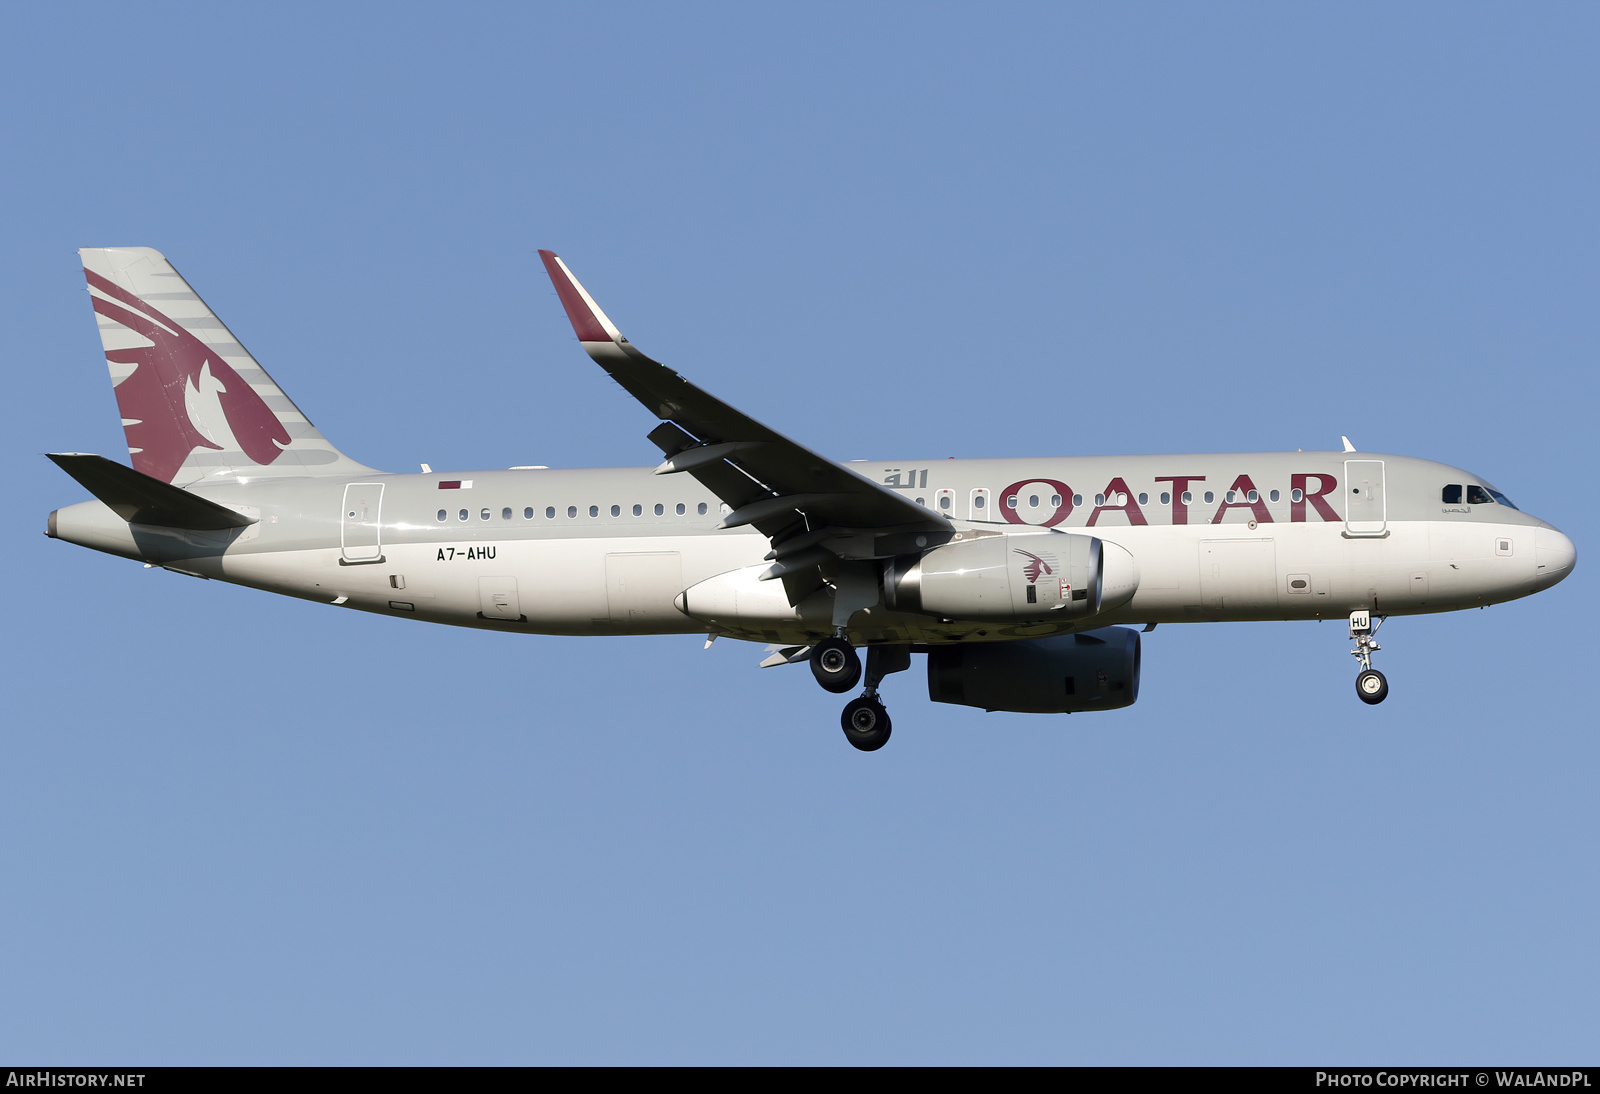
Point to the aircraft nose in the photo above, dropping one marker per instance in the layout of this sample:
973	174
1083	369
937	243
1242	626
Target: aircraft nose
1553	556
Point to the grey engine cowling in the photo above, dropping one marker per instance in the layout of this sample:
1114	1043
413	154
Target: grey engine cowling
1017	578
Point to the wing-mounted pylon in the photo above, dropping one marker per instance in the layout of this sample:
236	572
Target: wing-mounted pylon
818	514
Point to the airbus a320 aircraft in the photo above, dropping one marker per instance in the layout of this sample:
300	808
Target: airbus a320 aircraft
1010	575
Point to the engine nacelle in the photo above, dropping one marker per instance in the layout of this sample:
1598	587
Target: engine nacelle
1064	674
1016	578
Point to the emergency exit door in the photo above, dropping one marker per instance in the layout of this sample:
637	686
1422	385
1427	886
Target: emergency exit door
1365	509
361	530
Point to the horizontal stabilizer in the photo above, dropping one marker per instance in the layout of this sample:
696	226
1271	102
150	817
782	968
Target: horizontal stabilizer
139	499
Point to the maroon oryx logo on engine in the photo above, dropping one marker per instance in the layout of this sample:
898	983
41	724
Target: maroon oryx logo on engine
1035	569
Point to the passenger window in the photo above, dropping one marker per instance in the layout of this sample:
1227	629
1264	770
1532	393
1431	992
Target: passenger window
505	514
1477	495
680	508
616	510
1033	501
527	514
922	502
1297	494
637	511
1210	497
1166	497
1077	500
1144	499
594	510
1451	494
977	501
463	515
702	509
1274	495
659	509
1055	501
572	511
1230	497
1188	496
443	514
944	501
483	514
1099	499
1252	497
550	512
1011	502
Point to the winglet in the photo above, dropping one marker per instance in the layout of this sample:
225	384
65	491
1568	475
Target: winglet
588	321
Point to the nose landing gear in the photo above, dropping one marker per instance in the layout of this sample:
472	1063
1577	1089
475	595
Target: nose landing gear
1371	687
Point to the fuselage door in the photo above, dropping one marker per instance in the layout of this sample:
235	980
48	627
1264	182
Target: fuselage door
497	598
1365	509
640	587
361	525
1239	575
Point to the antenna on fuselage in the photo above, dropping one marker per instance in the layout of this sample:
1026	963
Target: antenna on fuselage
1348	447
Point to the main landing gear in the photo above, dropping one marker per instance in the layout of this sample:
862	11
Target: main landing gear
837	667
866	724
1370	684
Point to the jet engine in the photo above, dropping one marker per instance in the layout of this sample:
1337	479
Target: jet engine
1016	578
1064	674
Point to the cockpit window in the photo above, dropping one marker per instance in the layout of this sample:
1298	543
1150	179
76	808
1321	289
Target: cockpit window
1452	494
1477	495
1499	497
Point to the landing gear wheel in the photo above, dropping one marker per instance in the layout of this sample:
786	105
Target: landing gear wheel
866	723
1372	687
835	664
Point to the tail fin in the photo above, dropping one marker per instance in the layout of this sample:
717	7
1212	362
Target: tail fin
195	405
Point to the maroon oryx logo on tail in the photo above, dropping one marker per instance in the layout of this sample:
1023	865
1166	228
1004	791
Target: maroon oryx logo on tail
153	397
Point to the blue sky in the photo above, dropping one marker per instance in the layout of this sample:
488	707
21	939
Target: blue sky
243	829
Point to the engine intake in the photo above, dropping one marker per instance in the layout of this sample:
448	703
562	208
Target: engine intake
1065	674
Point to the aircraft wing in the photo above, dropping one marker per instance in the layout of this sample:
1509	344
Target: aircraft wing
786	491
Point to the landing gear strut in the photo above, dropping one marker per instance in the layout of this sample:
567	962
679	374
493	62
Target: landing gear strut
866	724
1370	684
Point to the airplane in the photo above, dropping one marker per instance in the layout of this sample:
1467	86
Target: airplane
1020	580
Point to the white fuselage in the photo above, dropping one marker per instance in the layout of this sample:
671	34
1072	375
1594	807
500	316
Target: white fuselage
609	551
